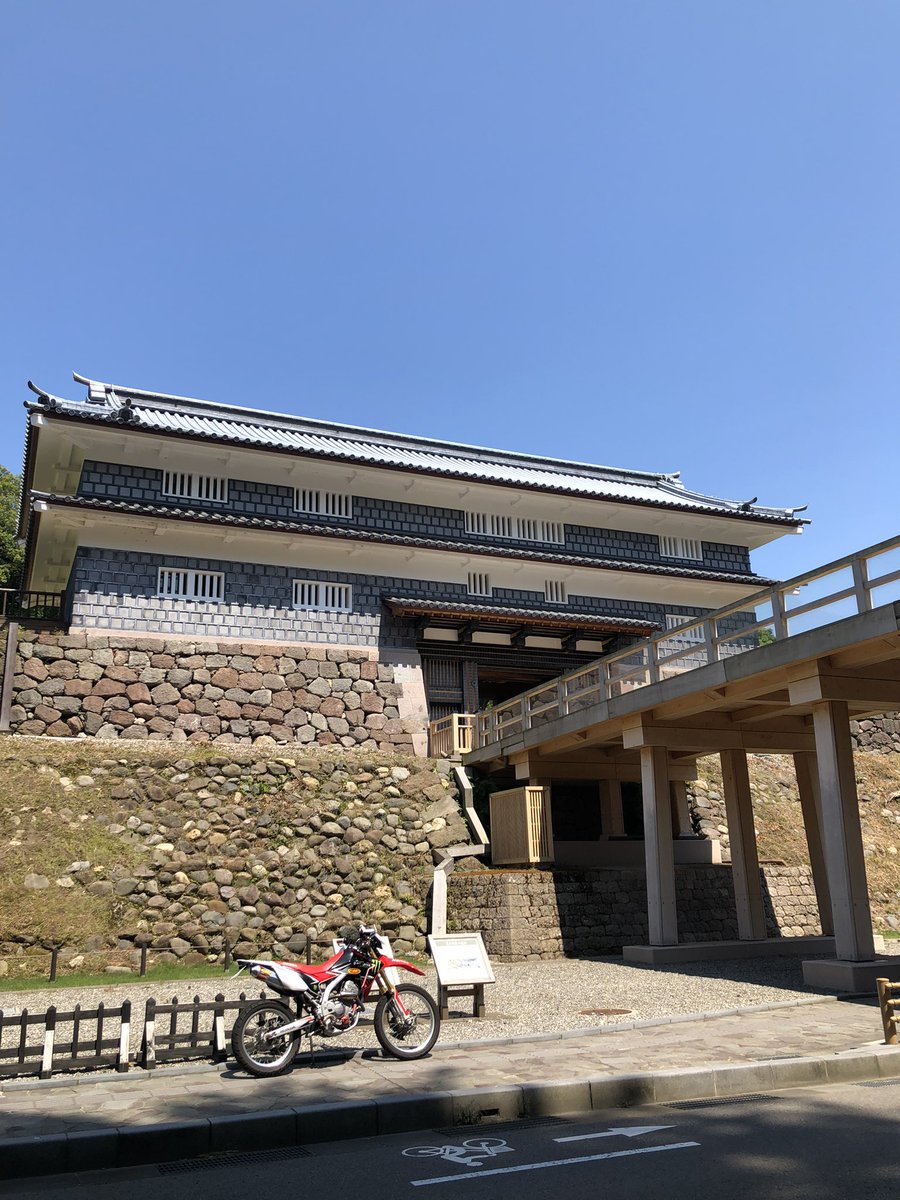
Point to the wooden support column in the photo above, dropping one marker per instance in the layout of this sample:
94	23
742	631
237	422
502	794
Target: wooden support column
842	833
751	915
611	817
681	809
811	806
658	847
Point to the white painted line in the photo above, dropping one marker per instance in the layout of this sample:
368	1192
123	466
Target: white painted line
629	1131
558	1162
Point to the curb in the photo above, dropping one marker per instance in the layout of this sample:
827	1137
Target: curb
143	1145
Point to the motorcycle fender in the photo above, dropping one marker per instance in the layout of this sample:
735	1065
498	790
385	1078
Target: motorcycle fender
401	962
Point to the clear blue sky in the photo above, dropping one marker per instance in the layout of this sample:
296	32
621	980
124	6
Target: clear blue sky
658	234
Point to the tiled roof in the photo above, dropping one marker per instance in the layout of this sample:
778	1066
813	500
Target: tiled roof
450	608
177	415
348	533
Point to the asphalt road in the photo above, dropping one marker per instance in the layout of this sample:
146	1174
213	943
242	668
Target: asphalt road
832	1143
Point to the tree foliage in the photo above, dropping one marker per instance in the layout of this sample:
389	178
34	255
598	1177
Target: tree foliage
10	551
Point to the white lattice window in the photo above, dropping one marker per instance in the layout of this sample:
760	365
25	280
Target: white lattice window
674	620
680	547
189	485
555	591
525	529
322	596
325	504
175	583
479	584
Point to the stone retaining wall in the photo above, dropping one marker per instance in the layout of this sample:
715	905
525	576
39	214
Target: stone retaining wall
554	914
141	687
878	734
257	849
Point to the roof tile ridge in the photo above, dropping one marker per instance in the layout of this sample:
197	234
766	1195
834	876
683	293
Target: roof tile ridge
349	532
256	416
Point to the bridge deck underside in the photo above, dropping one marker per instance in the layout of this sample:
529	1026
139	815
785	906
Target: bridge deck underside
758	702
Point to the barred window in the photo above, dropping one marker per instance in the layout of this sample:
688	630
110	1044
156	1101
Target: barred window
555	591
525	529
680	547
479	584
322	596
176	583
188	485
675	620
326	504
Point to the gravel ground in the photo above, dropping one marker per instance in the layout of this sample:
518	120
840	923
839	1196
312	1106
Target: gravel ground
528	998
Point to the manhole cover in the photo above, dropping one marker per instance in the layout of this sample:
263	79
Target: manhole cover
605	1012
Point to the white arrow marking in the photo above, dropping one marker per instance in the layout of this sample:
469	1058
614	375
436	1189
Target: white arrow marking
559	1162
631	1131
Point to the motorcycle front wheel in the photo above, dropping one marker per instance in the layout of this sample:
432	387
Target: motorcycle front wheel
410	1034
254	1051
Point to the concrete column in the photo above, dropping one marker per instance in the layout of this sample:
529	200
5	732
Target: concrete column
842	834
658	847
806	771
681	809
611	808
751	914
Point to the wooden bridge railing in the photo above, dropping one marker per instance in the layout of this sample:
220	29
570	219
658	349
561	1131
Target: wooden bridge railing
449	737
839	589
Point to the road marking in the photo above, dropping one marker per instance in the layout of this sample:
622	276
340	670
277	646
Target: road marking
630	1132
468	1154
558	1162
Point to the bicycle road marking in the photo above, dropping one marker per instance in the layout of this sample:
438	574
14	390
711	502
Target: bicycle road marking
468	1153
557	1162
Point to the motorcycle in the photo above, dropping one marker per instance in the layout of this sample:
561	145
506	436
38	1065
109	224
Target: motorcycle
329	1000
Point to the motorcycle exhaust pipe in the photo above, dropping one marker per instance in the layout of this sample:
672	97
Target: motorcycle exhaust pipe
284	1030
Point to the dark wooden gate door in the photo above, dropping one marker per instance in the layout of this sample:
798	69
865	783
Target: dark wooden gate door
451	685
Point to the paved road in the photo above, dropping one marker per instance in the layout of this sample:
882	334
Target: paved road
825	1143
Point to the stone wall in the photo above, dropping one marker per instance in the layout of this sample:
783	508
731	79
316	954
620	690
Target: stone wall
553	914
261	849
122	686
880	735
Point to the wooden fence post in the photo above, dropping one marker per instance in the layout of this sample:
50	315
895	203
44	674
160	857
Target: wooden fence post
220	1050
125	1039
49	1035
148	1041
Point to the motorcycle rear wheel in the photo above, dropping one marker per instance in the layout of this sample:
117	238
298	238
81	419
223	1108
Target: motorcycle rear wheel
411	1035
256	1055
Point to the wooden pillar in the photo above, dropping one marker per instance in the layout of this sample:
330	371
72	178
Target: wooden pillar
611	808
751	914
811	806
658	847
681	809
842	833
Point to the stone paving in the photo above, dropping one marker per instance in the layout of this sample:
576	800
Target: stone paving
822	1028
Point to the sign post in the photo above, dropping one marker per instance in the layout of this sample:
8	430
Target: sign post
463	968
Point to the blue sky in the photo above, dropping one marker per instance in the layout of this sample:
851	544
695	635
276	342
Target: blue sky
656	234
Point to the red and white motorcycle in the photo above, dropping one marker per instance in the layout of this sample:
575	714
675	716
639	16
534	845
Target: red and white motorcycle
328	1000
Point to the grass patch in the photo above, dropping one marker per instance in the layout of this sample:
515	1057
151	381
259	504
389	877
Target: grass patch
44	830
158	974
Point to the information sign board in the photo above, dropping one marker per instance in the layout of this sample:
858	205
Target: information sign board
460	958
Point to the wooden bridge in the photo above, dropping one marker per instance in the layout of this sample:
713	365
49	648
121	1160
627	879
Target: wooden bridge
782	671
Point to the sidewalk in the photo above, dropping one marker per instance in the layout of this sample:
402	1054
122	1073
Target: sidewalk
76	1124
